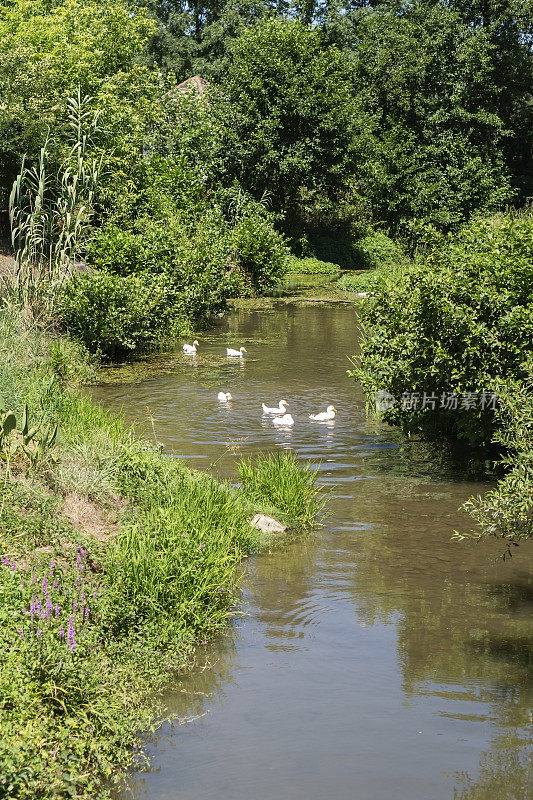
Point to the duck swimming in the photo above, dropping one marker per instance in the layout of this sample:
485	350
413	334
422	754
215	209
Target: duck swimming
190	349
280	410
324	416
236	353
283	422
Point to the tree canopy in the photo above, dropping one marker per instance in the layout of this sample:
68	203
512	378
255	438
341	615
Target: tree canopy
340	114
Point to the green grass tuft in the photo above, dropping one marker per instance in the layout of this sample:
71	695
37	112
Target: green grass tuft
277	479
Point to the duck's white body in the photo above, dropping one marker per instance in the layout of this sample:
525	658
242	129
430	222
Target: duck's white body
236	353
282	408
190	349
224	397
324	416
286	421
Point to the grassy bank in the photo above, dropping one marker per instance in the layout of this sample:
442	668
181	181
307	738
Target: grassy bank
370	280
311	266
115	562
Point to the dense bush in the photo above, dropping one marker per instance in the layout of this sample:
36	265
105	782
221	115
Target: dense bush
185	269
192	255
381	259
117	250
117	315
377	249
458	323
259	252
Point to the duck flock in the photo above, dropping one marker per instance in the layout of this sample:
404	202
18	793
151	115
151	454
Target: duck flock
280	417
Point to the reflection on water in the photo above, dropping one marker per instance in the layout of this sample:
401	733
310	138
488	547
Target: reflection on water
376	658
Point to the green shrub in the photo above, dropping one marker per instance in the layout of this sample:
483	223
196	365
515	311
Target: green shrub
259	250
117	315
357	282
340	248
458	323
312	266
183	270
201	267
377	249
507	511
117	250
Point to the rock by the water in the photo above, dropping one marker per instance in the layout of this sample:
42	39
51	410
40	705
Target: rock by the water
267	524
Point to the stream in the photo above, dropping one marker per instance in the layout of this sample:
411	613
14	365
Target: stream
374	658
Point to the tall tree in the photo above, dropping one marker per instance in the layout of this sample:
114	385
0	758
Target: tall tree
297	132
47	51
429	78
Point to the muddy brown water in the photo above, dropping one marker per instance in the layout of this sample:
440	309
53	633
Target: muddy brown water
375	659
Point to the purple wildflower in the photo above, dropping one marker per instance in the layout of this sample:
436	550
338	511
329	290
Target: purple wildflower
13	566
52	566
74	605
45	584
33	578
54	585
57	611
71	640
38	634
86	612
61	632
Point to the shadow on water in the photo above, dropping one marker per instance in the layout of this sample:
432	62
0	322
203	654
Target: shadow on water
375	658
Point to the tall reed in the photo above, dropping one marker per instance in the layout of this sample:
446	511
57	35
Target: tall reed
49	210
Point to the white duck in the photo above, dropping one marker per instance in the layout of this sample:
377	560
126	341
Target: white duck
236	353
283	422
190	349
224	397
324	416
282	409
